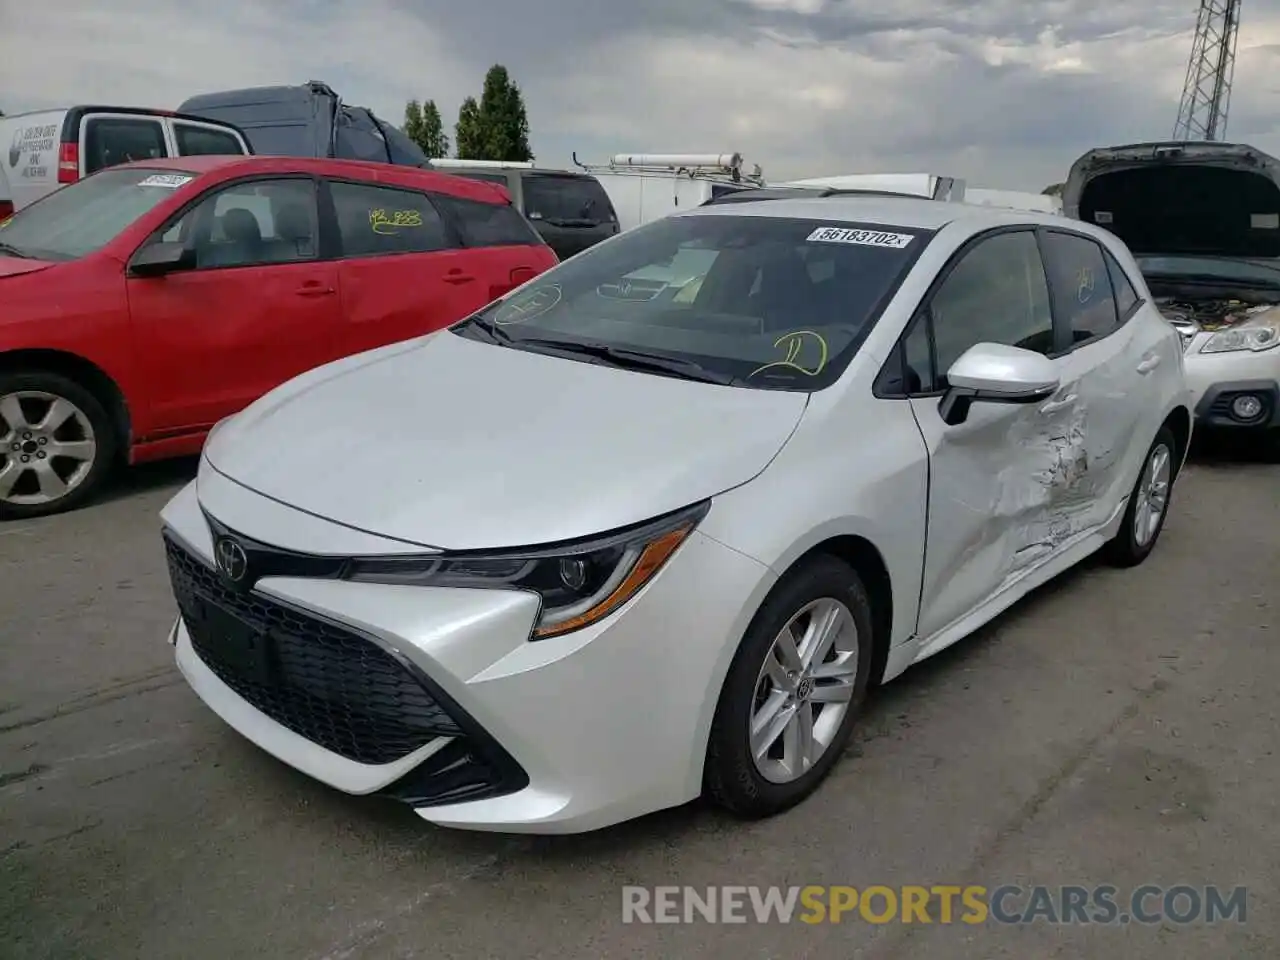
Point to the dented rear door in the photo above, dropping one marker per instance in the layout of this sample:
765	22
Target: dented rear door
1103	387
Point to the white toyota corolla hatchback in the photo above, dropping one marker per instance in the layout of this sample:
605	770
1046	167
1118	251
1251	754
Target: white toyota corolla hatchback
649	526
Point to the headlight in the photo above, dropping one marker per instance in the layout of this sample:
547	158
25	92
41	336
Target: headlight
1243	338
579	583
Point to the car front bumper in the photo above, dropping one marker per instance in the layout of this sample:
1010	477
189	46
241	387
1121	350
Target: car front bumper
437	697
1217	380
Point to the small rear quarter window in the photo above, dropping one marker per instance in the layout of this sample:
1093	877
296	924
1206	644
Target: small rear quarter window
488	224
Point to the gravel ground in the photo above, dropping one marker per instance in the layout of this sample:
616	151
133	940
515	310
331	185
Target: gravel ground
1116	728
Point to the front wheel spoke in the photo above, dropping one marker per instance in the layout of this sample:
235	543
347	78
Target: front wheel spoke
778	674
788	649
839	692
797	740
11	413
51	485
771	726
820	634
844	665
82	450
60	411
9	475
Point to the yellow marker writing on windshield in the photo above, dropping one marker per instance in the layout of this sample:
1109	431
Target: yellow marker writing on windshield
794	342
390	224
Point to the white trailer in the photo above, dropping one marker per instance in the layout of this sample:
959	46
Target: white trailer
1014	200
929	185
645	187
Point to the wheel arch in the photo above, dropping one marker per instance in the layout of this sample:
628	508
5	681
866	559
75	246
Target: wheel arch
86	373
867	561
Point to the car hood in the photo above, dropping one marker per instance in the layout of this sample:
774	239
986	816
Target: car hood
1220	199
453	443
17	266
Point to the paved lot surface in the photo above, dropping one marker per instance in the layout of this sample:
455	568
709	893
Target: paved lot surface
1119	727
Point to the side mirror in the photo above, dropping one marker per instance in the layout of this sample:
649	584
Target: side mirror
158	259
995	373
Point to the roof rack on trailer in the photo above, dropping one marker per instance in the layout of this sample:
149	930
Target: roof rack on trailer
725	167
805	193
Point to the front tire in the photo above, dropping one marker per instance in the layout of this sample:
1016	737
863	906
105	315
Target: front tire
57	444
793	691
1148	504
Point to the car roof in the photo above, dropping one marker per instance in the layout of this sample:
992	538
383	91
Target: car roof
389	174
901	211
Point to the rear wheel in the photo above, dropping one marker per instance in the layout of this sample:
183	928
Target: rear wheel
793	692
57	444
1148	504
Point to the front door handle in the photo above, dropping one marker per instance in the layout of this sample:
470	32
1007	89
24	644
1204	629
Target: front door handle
1054	405
457	276
314	290
1149	364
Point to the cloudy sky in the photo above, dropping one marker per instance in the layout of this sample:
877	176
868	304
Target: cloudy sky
1003	92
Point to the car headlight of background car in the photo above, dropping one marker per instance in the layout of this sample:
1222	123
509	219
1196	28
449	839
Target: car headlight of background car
1243	338
579	583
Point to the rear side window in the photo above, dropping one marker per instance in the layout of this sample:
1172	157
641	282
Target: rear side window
565	199
194	141
489	224
1081	285
1126	296
112	140
377	221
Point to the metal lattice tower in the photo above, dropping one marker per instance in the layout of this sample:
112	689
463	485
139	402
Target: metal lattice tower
1206	93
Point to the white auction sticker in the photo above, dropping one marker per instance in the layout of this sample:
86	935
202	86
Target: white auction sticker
172	180
864	238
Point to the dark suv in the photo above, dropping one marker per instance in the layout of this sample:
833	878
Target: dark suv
570	210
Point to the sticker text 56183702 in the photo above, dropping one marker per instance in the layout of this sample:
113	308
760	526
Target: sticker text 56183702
862	238
170	180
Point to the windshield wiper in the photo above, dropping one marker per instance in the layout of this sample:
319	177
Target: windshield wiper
566	222
491	329
11	251
629	359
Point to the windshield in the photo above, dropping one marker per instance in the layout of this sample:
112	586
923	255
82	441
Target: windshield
557	198
763	302
84	217
1230	269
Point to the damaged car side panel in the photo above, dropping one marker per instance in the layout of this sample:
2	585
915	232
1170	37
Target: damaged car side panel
1013	488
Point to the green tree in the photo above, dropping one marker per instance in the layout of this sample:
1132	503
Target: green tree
468	135
1053	190
434	142
413	122
503	121
422	125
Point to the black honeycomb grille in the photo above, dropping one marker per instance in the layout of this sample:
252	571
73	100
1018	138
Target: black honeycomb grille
327	684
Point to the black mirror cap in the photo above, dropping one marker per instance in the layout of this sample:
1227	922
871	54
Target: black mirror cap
157	259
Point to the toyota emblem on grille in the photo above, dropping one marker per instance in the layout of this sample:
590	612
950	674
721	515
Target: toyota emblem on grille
233	562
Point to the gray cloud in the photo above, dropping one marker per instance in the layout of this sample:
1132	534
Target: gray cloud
1004	93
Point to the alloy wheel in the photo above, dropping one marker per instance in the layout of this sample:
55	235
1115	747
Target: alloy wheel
47	447
803	690
1153	494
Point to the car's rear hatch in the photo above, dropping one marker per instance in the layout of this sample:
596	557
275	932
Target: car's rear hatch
1219	199
571	211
